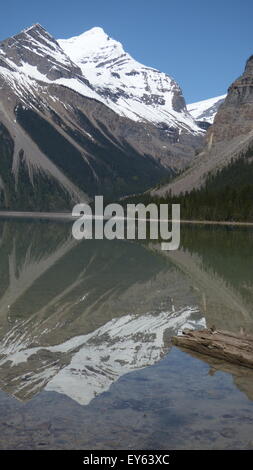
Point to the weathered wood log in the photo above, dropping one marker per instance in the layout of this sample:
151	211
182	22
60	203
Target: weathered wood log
224	345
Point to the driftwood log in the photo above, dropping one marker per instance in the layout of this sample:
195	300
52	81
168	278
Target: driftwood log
223	345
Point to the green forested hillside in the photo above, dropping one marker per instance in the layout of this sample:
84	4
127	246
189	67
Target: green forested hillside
227	195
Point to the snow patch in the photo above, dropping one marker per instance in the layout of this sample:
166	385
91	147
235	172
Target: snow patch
206	110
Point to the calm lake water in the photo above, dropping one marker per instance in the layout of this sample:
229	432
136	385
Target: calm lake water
86	360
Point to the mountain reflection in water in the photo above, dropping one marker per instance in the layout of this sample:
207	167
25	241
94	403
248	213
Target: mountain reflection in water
75	316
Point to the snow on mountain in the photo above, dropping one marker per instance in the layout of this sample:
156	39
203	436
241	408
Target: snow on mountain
34	56
94	361
128	87
206	110
119	347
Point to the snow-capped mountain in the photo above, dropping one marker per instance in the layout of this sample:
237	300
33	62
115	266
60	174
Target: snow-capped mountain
206	110
58	136
128	87
80	117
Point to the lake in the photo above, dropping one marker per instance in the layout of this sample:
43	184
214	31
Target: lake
86	360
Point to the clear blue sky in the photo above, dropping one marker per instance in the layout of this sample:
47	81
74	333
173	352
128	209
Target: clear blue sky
202	44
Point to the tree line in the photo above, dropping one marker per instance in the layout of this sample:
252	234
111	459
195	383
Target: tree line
226	195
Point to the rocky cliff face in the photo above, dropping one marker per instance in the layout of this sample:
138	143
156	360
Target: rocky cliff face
62	141
235	117
230	136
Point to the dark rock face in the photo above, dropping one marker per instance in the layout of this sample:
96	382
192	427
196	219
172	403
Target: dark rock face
37	48
22	193
178	101
235	116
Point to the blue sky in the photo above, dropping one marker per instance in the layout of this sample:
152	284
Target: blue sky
202	44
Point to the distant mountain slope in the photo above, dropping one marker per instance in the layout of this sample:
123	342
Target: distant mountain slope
62	142
206	110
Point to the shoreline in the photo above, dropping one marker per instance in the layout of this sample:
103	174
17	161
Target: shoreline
68	216
216	222
36	215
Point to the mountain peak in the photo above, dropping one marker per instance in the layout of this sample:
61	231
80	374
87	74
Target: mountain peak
91	43
96	30
34	27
